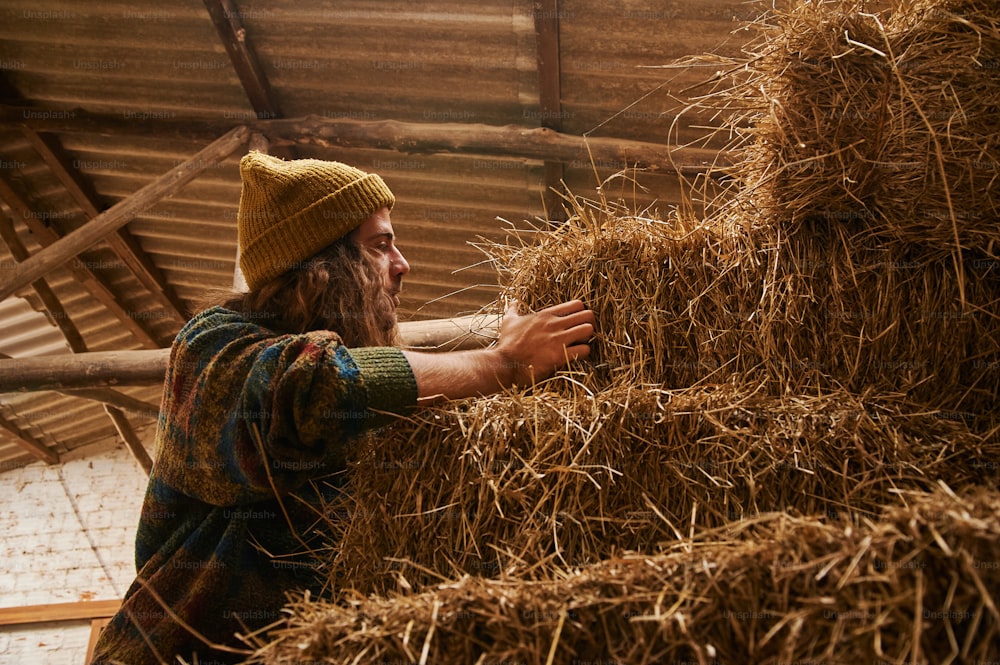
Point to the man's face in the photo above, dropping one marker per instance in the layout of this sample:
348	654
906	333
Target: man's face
376	237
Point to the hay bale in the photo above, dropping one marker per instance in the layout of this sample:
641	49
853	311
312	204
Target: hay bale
543	481
917	584
879	123
670	295
869	158
682	303
839	313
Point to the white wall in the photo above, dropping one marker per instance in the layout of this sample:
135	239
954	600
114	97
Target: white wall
67	533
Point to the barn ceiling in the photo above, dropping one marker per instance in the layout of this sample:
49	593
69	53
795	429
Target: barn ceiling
122	125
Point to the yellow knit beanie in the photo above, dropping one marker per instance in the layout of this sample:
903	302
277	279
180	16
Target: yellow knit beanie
290	210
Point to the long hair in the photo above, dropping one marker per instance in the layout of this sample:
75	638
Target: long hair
338	289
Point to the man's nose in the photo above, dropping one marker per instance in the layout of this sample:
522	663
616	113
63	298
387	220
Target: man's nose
400	266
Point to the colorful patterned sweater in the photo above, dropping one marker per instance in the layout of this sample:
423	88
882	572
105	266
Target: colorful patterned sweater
250	420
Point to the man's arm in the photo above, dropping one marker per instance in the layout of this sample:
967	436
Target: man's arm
531	348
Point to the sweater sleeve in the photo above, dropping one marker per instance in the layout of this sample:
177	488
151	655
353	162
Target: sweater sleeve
246	412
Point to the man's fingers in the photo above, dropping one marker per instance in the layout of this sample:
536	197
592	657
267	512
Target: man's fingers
564	308
586	317
577	327
564	316
577	351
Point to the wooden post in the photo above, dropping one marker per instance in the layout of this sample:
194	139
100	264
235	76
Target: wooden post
550	98
121	213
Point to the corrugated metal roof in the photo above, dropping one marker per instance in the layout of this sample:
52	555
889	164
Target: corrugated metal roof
433	62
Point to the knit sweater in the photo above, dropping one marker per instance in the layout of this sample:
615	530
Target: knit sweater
253	426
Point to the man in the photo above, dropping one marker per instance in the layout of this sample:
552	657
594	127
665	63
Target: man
264	395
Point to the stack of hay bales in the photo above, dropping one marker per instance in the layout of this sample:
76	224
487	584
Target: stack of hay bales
912	586
755	464
872	166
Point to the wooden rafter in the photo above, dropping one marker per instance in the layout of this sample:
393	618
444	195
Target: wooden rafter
95	285
111	400
225	17
85	237
130	438
26	441
116	399
121	241
45	293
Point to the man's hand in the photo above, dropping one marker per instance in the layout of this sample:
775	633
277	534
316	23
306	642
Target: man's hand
531	348
536	345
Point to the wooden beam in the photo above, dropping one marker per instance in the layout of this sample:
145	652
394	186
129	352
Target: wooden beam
84	370
96	286
228	24
549	77
148	367
406	137
463	332
83	610
116	399
538	143
130	438
121	241
121	213
108	396
24	440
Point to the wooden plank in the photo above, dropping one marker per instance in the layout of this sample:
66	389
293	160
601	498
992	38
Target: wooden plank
121	213
83	610
147	367
96	626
